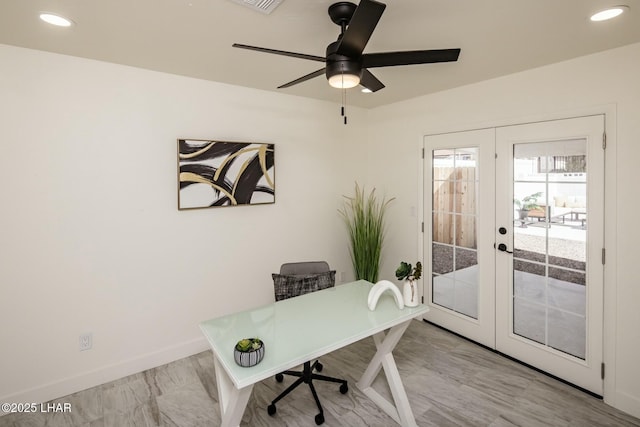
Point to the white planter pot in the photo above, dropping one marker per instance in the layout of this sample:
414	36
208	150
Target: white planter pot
410	293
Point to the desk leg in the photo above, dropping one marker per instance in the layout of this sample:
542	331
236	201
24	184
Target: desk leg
232	401
383	358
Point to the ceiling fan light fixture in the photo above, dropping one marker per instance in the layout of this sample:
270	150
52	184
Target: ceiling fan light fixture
342	72
57	20
344	81
609	13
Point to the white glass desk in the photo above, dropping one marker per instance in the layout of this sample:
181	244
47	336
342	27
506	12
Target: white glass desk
300	329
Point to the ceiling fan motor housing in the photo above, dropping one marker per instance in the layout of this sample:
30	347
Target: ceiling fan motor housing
341	13
339	64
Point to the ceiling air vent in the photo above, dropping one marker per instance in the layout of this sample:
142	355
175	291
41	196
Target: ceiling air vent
264	6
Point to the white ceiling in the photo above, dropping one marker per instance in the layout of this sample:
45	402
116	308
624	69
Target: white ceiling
194	38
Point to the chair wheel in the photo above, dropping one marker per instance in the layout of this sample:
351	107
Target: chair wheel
279	378
319	367
271	409
344	388
319	419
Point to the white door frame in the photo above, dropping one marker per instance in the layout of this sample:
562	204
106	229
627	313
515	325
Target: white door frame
610	216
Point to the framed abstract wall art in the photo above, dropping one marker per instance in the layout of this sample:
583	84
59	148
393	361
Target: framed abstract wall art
221	173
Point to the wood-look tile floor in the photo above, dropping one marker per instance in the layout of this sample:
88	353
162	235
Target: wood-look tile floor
449	381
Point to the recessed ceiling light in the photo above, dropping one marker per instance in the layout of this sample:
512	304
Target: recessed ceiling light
609	13
54	19
366	90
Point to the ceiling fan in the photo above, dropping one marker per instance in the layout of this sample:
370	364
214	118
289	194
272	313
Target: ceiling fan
345	64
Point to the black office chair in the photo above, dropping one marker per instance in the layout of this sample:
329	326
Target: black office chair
296	279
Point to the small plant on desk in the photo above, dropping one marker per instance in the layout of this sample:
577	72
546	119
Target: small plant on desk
409	274
406	272
248	352
248	344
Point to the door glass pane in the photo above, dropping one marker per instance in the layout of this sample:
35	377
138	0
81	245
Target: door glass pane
550	244
454	258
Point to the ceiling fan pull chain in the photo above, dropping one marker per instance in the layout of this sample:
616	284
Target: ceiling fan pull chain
344	98
342	94
344	105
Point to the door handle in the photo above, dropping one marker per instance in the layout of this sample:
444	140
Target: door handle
503	248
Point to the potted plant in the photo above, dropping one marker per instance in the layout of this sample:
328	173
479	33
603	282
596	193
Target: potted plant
410	275
248	352
527	204
364	217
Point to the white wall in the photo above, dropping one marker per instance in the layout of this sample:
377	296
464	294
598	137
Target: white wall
605	82
91	238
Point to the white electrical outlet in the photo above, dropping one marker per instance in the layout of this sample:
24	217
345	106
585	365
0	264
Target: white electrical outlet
343	276
86	341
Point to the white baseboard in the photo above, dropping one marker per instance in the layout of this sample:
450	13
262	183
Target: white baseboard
627	403
85	380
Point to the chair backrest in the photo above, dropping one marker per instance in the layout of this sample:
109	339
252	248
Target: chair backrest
298	278
309	267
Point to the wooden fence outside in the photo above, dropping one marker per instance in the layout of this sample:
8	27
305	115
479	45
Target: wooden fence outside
454	206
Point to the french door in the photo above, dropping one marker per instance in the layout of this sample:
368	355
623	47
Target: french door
515	240
459	198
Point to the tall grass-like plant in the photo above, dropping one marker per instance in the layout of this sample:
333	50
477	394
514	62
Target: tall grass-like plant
364	216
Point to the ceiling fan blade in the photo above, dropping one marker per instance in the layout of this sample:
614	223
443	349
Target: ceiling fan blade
390	59
370	81
361	26
281	52
304	78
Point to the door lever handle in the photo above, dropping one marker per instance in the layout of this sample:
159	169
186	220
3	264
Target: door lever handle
503	248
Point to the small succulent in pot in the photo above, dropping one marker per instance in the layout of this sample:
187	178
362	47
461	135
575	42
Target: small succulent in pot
248	344
248	352
406	272
409	274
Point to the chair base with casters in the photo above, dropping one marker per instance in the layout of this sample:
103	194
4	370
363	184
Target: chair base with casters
307	376
296	279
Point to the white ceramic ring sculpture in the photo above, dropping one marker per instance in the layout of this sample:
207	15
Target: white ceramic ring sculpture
381	287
